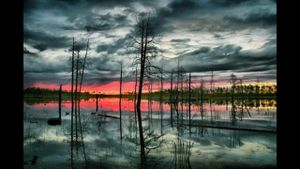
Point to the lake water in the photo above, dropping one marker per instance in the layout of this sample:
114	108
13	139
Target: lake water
214	138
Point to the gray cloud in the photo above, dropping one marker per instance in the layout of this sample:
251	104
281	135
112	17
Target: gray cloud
49	26
226	58
27	52
42	40
95	22
41	65
181	40
227	3
258	18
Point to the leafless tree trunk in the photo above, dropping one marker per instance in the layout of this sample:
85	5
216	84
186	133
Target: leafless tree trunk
143	159
135	86
201	98
59	102
190	102
242	97
143	43
79	98
72	102
144	34
211	94
120	104
151	102
226	99
97	97
76	97
181	88
161	99
171	99
233	81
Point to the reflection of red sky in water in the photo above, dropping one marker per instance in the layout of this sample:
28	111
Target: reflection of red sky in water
112	104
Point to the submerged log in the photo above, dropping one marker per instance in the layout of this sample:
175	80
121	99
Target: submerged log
54	121
114	117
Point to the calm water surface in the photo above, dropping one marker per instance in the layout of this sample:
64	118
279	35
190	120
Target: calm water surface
171	142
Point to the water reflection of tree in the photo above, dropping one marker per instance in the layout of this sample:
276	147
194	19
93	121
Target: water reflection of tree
145	48
234	139
182	153
78	67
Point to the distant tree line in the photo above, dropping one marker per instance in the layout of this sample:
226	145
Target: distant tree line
44	93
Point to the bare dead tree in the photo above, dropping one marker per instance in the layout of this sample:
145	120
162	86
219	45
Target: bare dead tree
242	95
212	81
76	96
143	43
59	101
211	93
97	97
72	101
120	102
171	99
79	96
233	82
78	67
190	102
201	97
135	86
161	98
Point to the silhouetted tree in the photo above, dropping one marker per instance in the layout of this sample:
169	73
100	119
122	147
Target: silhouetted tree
120	102
233	82
143	42
190	102
72	100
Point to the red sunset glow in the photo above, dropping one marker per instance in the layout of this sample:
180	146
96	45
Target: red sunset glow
114	87
112	104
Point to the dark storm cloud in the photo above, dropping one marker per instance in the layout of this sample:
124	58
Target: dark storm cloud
103	66
104	79
121	43
194	13
227	3
104	3
257	18
100	19
42	40
181	40
190	6
264	75
226	58
32	78
31	5
39	64
40	47
201	50
95	22
176	9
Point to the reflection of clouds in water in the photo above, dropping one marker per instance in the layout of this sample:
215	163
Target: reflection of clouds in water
102	141
51	134
47	153
258	154
252	148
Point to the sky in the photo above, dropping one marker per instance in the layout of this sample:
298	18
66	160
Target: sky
223	36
